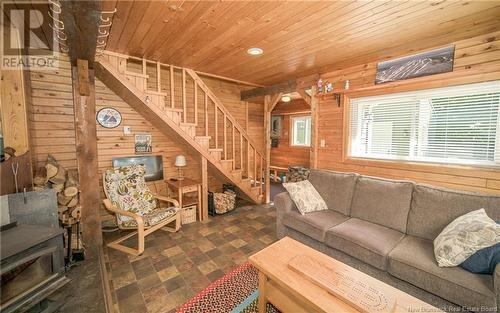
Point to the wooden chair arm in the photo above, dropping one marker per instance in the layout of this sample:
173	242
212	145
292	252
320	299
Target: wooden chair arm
167	199
115	209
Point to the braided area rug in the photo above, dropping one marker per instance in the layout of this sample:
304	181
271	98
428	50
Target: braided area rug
235	292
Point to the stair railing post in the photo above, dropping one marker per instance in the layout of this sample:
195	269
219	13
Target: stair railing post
172	88
225	137
195	102
206	114
184	95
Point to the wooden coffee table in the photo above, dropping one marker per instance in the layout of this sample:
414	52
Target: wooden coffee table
296	278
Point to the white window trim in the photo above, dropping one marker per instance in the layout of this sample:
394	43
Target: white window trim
351	143
292	131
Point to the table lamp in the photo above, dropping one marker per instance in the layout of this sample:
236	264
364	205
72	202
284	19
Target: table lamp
180	162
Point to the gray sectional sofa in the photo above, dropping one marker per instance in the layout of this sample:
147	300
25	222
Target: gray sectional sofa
390	225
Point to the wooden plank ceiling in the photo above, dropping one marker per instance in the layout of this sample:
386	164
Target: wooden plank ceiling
298	37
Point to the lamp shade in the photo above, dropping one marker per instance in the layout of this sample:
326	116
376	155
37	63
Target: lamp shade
180	160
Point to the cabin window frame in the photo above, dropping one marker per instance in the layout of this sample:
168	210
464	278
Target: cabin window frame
308	131
349	156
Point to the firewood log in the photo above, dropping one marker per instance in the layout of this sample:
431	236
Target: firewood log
40	177
62	199
39	188
73	202
71	184
76	212
58	187
61	209
51	170
60	177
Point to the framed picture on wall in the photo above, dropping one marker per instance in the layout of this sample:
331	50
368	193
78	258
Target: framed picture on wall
143	143
276	126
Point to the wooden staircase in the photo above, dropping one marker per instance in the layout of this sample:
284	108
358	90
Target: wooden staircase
178	102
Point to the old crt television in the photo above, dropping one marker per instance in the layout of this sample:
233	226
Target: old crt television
153	164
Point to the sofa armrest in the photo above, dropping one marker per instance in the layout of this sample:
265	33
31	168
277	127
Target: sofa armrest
283	204
496	283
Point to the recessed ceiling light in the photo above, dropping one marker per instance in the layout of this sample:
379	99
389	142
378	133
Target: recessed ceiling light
286	98
255	51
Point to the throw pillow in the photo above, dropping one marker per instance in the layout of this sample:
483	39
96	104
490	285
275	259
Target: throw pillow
464	236
484	261
305	196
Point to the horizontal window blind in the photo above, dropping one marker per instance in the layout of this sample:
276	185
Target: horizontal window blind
459	124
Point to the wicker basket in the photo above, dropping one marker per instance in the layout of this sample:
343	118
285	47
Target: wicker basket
188	214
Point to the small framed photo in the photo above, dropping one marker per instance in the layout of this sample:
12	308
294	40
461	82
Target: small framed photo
143	143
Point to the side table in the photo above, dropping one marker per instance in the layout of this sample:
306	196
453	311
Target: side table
186	186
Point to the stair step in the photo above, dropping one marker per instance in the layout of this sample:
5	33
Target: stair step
255	190
188	124
204	141
191	130
172	109
216	153
215	150
228	164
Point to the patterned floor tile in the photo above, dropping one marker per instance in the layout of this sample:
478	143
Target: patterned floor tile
176	266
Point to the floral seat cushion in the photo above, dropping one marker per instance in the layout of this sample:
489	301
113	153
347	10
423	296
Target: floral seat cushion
127	189
154	217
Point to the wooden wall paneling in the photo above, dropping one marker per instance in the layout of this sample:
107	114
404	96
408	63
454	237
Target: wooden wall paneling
86	152
14	109
479	56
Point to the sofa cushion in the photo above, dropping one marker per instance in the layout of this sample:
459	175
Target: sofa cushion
433	208
381	201
306	197
465	236
368	242
336	188
412	260
313	224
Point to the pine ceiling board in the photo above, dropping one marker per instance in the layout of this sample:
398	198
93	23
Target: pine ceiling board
212	39
296	47
251	36
212	22
298	37
396	36
154	33
135	16
178	22
240	36
119	23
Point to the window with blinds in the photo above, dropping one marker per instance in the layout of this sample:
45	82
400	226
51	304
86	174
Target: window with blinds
458	124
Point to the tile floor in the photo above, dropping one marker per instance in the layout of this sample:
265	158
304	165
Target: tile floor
176	266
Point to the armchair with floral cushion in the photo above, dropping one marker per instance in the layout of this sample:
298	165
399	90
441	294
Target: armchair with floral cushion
136	207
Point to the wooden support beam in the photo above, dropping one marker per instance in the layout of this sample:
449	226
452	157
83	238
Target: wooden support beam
274	101
86	152
285	87
83	77
81	21
268	101
204	188
304	95
313	156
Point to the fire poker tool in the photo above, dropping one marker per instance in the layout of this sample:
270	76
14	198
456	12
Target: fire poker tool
15	169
